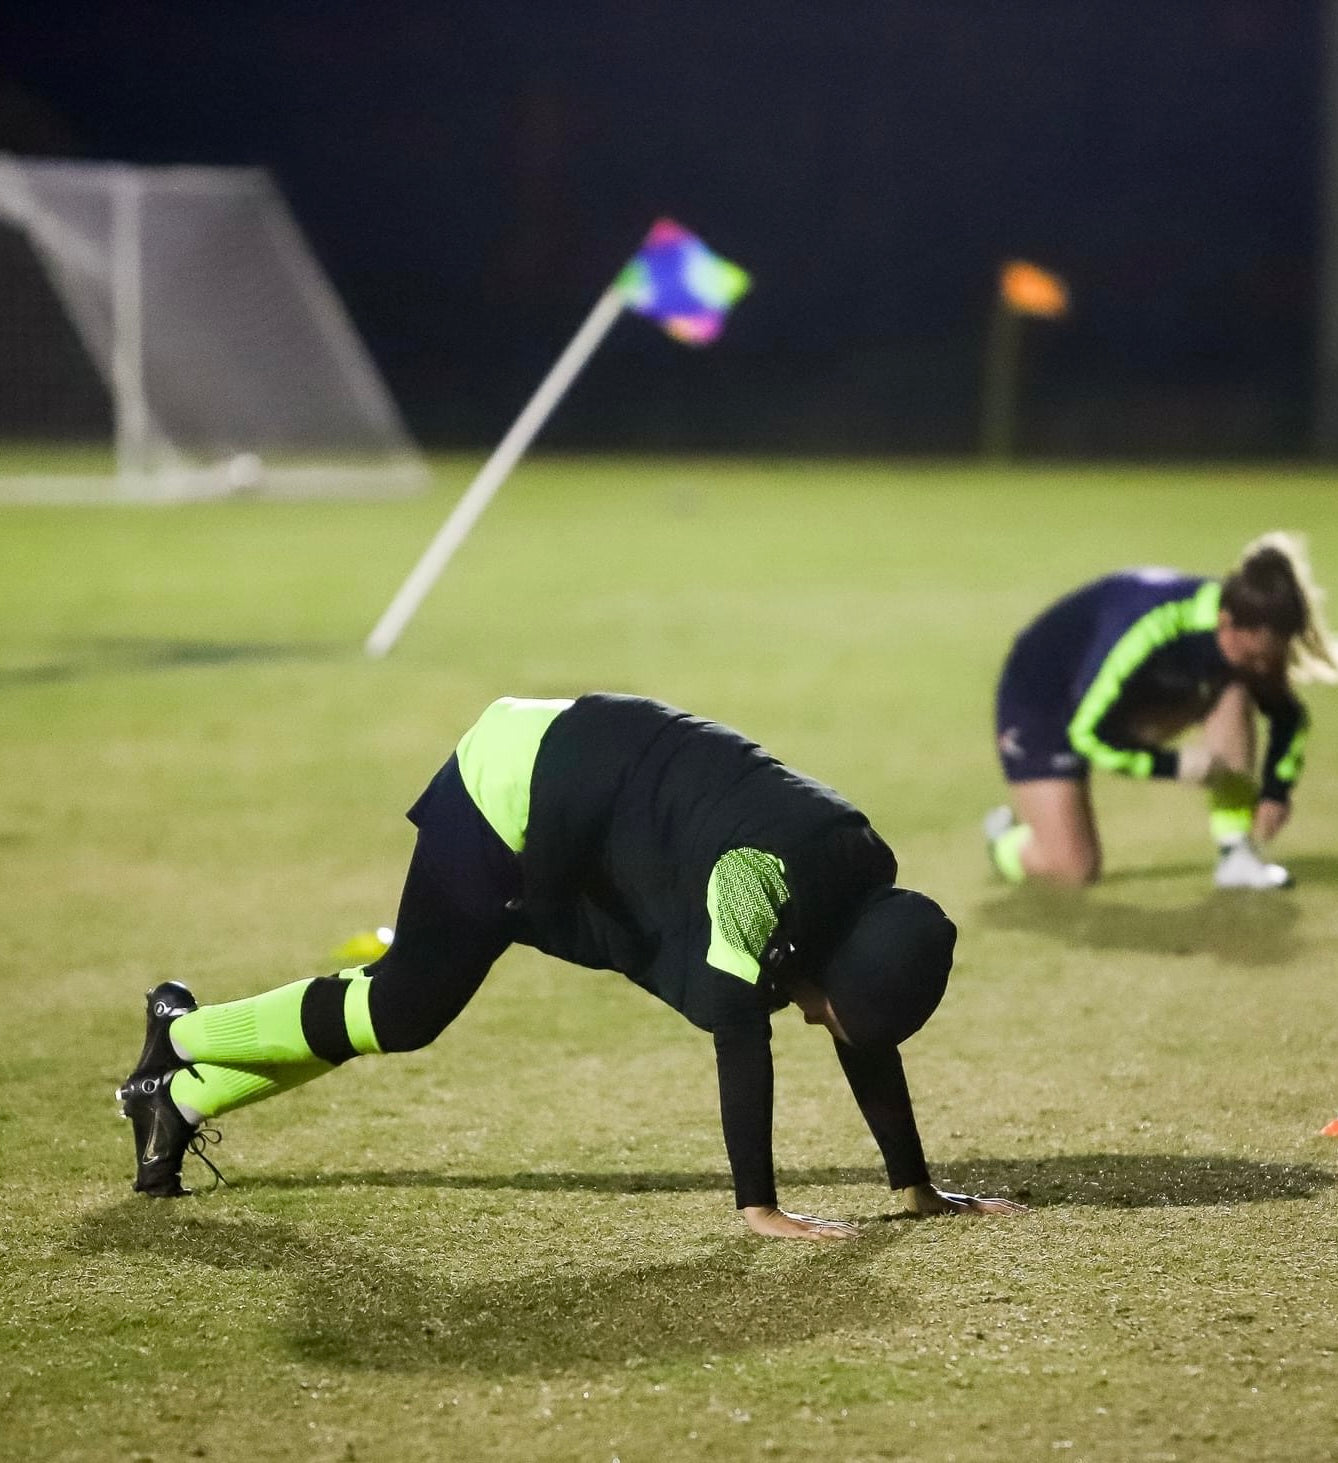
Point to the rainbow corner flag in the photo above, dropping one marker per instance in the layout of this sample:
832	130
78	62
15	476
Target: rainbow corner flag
1027	289
680	284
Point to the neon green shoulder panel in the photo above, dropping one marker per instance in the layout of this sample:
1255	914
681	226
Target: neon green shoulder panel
744	896
1156	628
496	757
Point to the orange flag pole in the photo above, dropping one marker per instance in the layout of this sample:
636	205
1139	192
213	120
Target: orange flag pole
1024	289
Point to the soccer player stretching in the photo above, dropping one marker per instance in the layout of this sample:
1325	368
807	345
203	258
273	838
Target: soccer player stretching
617	833
1117	669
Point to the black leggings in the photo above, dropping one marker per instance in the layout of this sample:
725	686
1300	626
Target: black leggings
456	917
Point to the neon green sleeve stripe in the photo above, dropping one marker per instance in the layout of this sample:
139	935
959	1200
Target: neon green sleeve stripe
1156	628
744	896
357	1011
496	757
1289	765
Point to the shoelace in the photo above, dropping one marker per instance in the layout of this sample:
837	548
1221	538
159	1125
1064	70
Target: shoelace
199	1141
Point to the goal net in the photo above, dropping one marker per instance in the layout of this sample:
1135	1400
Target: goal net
167	333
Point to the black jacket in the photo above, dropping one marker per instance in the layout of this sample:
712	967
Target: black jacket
631	804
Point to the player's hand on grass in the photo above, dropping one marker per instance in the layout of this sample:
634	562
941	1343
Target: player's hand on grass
777	1224
925	1199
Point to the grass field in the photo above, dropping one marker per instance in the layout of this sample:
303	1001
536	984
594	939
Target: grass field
520	1242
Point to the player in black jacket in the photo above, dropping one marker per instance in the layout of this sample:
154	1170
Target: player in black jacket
618	833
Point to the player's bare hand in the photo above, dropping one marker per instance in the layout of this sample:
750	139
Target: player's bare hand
777	1224
925	1199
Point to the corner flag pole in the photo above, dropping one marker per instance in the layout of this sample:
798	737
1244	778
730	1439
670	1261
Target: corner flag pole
495	472
1024	289
999	412
673	279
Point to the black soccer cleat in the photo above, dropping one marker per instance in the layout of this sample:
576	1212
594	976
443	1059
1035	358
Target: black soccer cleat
165	1003
162	1136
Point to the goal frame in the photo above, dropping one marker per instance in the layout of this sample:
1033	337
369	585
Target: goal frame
149	465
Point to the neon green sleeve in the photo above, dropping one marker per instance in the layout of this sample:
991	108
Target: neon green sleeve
1288	731
744	896
1289	765
1149	633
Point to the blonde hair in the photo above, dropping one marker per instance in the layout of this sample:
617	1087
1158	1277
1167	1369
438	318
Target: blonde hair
1312	652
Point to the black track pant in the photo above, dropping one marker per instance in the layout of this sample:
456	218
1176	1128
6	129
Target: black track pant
455	918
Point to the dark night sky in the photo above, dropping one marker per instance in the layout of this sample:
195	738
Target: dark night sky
472	172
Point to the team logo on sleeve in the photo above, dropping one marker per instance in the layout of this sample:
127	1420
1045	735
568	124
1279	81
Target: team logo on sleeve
1010	743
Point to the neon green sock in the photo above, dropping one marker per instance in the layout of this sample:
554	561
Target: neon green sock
1006	851
208	1091
250	1032
267	1029
1231	809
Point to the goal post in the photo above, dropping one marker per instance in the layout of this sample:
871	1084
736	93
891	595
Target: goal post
177	319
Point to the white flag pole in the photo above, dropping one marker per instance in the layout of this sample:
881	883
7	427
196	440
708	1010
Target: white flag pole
494	472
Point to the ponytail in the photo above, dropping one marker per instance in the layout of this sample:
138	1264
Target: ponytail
1273	586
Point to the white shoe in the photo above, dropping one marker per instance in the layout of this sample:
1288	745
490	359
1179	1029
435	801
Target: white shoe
1240	867
997	822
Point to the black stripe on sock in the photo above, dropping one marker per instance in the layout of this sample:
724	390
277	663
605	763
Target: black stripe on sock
323	1026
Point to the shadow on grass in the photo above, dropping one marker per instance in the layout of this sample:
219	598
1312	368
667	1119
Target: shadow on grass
1105	1180
113	656
1237	927
350	1306
1199	869
1313	868
1138	1180
347	1304
1306	868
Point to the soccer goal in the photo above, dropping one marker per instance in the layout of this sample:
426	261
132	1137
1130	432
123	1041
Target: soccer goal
166	333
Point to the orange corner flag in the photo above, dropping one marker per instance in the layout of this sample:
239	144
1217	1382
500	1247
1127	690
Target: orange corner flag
1330	1130
1028	289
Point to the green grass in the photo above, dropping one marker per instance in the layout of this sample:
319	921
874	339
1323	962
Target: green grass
520	1243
